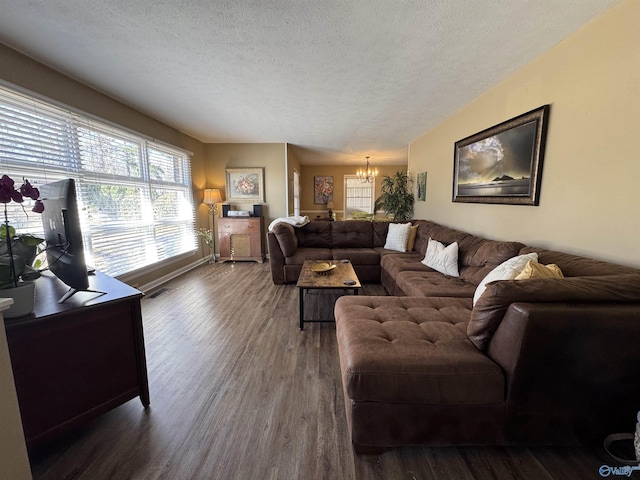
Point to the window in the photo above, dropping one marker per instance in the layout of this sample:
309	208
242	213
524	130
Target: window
296	193
358	198
134	195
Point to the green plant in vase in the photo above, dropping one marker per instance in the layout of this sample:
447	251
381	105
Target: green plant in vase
17	252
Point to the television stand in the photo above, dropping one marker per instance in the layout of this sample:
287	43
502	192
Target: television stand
76	360
72	291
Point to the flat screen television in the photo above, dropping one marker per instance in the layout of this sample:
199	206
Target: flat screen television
63	236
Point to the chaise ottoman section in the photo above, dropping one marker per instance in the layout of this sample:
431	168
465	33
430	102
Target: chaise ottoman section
412	355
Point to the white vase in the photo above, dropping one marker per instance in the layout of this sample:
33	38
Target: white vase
24	299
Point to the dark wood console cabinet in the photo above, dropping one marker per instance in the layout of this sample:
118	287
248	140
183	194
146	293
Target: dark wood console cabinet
241	238
74	361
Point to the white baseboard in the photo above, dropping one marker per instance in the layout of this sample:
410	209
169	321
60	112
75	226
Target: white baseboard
170	276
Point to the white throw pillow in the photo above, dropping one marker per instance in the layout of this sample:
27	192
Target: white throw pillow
397	237
507	270
442	259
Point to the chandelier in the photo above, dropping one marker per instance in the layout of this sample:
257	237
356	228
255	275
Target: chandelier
367	175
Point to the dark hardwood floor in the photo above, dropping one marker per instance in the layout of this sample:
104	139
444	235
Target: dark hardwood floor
239	392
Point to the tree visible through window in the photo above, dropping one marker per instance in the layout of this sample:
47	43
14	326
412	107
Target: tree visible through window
134	195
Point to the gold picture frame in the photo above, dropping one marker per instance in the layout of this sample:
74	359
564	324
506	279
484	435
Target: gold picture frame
244	185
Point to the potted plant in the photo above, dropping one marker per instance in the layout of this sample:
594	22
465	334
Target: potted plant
18	251
395	197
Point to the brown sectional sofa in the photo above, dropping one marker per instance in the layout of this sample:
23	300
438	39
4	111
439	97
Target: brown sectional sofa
360	241
536	362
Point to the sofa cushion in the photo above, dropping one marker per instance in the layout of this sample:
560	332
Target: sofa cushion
286	236
315	235
577	266
352	234
442	259
478	260
400	262
397	237
490	309
357	256
433	284
303	254
449	235
380	230
412	350
424	233
507	270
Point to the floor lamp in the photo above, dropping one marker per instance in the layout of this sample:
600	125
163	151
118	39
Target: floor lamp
212	197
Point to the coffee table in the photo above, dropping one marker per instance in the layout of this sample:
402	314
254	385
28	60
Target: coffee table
335	279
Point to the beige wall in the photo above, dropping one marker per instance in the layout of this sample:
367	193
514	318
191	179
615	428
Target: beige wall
293	163
308	207
270	156
590	194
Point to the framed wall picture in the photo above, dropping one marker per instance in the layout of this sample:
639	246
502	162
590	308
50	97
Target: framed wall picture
421	185
502	164
322	189
245	184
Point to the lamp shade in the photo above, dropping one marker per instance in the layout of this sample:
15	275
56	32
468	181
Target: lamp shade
212	196
330	205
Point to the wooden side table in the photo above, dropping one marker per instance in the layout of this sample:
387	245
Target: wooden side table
241	238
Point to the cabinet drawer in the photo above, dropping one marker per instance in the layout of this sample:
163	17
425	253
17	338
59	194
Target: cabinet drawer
238	226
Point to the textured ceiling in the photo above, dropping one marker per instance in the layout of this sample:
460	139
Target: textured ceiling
338	79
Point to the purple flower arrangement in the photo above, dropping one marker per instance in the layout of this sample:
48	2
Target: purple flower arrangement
13	268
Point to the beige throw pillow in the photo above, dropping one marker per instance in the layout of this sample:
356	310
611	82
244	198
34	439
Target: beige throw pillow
412	238
537	270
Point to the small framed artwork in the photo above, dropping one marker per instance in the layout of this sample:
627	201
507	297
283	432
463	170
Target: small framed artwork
322	189
245	185
502	164
422	187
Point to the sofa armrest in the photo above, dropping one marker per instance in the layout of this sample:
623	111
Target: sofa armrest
490	308
276	259
571	369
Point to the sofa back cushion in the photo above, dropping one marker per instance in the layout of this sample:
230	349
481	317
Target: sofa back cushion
424	233
477	256
577	266
380	230
484	256
286	236
315	235
352	234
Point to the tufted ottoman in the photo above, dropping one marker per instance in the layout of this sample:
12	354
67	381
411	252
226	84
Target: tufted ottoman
411	375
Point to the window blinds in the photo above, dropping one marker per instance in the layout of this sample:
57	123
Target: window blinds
134	195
